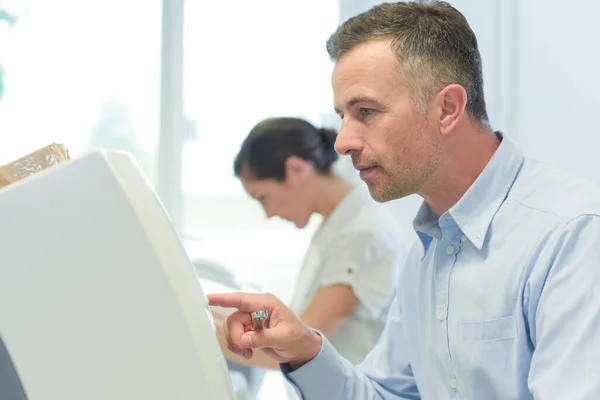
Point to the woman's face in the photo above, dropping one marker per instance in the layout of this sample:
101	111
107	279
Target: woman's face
285	199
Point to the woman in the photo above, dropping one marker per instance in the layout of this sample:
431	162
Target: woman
346	281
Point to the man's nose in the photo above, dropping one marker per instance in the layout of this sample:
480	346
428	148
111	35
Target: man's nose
348	139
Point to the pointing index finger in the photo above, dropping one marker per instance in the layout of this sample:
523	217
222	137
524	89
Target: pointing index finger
246	302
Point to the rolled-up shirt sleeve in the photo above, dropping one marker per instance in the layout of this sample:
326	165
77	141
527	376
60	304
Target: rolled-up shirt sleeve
368	263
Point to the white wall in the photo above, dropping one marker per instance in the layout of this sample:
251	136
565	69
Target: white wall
547	96
558	101
541	82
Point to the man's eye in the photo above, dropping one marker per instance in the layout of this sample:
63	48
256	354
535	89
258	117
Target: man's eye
366	111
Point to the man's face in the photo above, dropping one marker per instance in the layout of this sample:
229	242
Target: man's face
395	147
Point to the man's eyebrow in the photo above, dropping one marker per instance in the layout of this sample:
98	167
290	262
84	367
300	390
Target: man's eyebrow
359	99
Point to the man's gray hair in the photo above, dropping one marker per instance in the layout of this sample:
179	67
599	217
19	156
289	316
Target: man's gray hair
434	44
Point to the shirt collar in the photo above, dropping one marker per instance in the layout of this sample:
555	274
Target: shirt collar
474	212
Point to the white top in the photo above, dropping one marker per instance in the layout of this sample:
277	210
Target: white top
360	245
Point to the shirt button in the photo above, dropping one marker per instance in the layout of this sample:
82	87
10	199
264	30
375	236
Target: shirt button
453	383
442	316
450	249
463	238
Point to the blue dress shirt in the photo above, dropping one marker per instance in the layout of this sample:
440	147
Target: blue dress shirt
499	299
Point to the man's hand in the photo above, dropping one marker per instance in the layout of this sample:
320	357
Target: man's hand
219	314
285	337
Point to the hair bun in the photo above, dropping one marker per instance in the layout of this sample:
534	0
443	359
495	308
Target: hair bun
328	153
328	137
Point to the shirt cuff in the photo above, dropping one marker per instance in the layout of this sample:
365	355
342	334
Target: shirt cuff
308	379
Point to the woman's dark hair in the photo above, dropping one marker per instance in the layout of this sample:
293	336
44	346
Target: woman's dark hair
270	143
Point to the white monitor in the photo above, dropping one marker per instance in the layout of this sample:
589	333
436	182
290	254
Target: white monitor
98	299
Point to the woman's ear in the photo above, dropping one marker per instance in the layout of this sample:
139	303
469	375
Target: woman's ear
297	170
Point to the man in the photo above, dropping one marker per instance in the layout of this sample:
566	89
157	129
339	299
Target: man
498	299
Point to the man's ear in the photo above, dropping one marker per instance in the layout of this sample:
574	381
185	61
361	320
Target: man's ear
297	169
451	103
